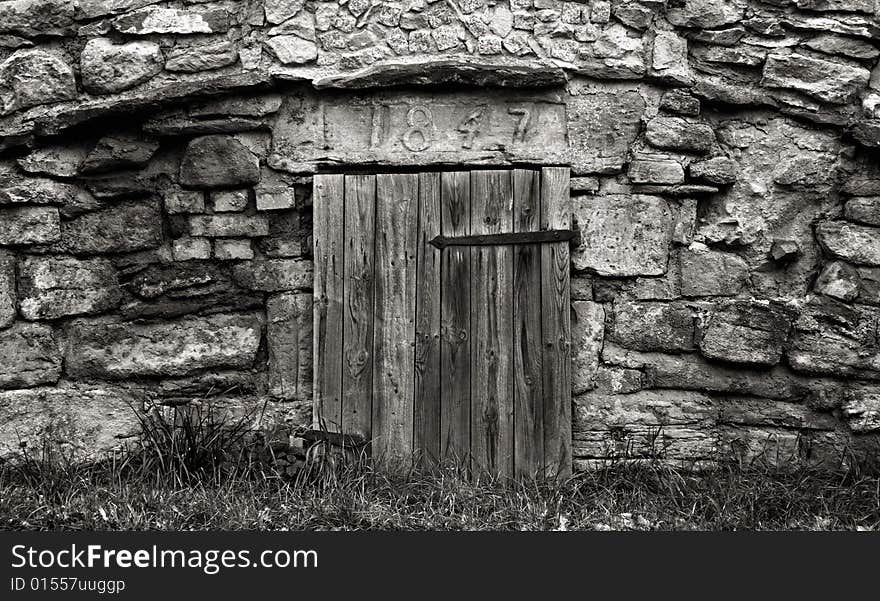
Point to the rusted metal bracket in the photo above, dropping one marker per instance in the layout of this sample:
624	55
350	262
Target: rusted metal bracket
541	237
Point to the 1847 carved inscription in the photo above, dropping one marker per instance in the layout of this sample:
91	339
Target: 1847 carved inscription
485	127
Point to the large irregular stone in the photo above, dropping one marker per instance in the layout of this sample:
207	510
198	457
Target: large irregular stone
587	333
653	326
229	226
693	372
839	280
601	127
185	287
433	71
289	338
42	191
201	57
125	227
7	289
717	170
190	344
172	20
292	50
855	243
29	356
59	160
707	272
31	77
705	14
670	57
676	133
119	151
836	339
623	235
672	424
665	171
81	421
89	9
826	80
746	332
29	225
218	162
865	209
37	17
278	11
53	287
108	68
274	275
861	410
850	47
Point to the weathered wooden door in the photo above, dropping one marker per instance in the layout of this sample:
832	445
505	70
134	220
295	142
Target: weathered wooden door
437	332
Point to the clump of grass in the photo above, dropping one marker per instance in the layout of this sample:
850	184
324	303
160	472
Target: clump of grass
197	474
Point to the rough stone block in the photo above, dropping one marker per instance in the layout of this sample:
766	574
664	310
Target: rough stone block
666	171
746	332
37	17
587	333
839	280
854	243
865	209
226	201
172	20
29	356
830	81
861	410
289	337
706	14
274	275
108	68
7	289
184	201
653	326
54	287
677	133
601	127
124	227
218	162
680	102
82	421
707	272
623	235
201	57
173	348
237	250
717	170
188	249
292	50
31	77
29	225
835	339
229	226
119	151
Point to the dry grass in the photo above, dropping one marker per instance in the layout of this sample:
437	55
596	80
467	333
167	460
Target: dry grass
196	474
122	496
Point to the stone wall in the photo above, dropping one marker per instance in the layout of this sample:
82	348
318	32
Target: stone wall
155	191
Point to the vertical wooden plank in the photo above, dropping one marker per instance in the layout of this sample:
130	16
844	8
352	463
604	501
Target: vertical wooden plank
397	205
357	383
455	346
426	406
556	323
328	206
527	354
492	325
